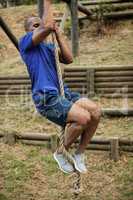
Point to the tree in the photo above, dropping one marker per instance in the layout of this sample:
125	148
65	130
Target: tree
8	3
3	3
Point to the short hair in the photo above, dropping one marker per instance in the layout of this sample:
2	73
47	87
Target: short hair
27	22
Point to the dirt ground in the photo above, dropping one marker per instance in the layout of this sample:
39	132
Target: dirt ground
31	173
28	172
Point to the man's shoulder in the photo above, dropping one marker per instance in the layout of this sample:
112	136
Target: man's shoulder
25	36
25	42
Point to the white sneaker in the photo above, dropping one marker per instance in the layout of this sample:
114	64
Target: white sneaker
79	164
63	163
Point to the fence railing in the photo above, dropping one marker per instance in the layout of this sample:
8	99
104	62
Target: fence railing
104	82
114	145
105	9
111	82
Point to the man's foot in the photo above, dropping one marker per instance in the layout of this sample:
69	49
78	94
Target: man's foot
63	163
79	164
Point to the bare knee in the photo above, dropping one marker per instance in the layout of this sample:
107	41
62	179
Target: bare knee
91	107
79	116
84	122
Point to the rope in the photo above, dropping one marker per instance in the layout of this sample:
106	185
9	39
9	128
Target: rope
76	183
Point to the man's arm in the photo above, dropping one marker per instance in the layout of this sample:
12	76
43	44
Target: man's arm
65	54
47	24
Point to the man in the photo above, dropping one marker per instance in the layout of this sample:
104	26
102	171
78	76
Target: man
81	114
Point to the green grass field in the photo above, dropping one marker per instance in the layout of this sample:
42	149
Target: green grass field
31	173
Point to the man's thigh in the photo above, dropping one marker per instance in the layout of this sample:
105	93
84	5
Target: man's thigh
87	104
78	114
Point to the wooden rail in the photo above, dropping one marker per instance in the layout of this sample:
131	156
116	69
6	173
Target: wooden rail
115	145
96	2
109	82
111	9
108	9
103	82
121	15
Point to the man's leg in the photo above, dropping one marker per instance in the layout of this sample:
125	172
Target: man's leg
95	113
77	122
76	129
79	118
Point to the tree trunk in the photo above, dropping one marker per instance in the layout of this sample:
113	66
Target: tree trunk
10	3
40	7
74	30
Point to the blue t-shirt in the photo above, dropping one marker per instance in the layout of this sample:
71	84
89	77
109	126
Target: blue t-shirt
41	65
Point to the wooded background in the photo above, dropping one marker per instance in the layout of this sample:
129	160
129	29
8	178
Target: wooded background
8	3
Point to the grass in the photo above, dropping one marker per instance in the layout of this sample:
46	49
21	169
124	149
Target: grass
16	172
30	172
19	115
3	197
19	169
124	182
112	48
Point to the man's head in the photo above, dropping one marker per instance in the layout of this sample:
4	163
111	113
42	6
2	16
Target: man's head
31	23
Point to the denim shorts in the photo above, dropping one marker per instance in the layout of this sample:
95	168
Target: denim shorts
55	107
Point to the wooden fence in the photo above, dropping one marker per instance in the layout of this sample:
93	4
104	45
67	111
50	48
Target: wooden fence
111	82
107	9
110	9
114	145
104	82
15	85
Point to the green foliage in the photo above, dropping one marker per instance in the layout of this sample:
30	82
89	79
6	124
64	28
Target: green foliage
29	2
56	1
4	3
67	27
3	197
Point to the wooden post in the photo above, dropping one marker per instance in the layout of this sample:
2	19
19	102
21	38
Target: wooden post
74	30
10	3
9	138
92	89
114	144
40	7
81	8
84	10
90	82
53	145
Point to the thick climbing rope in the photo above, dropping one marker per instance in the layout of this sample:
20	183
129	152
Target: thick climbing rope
77	180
